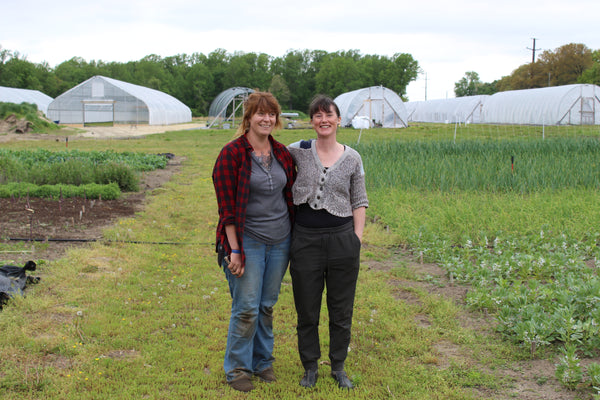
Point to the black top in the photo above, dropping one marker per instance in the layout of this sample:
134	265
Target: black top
309	218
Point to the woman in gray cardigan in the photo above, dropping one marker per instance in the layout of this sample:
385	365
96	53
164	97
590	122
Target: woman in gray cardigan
331	200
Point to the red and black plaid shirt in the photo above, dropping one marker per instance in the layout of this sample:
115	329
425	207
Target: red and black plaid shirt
231	178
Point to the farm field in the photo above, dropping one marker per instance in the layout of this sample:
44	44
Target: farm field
453	302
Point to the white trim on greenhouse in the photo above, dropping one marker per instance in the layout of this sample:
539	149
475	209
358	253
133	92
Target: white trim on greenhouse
382	106
466	109
18	96
558	105
104	100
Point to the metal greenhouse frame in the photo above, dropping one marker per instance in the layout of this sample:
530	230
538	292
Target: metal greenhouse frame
219	109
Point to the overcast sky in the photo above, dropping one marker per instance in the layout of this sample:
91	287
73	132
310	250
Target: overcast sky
447	38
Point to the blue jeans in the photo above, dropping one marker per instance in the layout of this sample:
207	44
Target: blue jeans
250	336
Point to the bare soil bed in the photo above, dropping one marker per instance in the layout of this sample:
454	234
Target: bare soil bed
52	226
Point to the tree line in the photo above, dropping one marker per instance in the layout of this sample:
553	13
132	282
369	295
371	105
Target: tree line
197	79
568	64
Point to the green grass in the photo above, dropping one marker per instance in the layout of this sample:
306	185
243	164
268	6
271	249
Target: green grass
131	321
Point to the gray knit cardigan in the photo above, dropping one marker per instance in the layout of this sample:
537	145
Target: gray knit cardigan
339	189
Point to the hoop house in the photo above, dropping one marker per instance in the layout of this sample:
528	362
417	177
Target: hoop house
382	106
559	105
466	109
225	105
105	100
18	96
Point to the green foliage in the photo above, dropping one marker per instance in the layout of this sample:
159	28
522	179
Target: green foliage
477	165
565	65
593	371
197	79
109	191
44	167
468	85
569	370
10	170
121	174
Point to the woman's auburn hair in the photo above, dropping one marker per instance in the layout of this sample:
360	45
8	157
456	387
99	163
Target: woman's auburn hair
259	102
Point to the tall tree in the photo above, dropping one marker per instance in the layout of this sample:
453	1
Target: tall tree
339	73
468	85
280	90
592	74
566	64
405	69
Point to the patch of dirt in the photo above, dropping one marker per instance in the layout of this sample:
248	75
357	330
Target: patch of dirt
50	227
13	124
80	132
525	380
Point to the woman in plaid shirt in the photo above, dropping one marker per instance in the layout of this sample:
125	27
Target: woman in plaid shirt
253	178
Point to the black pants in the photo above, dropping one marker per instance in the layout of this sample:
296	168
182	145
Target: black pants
324	257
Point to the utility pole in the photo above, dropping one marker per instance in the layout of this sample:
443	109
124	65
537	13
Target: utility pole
425	86
533	51
531	66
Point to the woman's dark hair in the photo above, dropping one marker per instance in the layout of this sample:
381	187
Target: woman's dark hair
322	103
263	102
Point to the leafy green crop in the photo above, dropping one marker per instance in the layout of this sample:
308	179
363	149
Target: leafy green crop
44	167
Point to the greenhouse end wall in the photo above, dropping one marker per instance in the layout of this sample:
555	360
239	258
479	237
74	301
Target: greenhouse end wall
104	100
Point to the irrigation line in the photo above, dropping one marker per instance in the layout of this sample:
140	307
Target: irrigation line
102	241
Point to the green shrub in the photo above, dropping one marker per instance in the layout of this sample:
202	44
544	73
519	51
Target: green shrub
75	167
69	172
10	170
121	174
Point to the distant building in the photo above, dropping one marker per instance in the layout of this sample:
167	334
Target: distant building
18	96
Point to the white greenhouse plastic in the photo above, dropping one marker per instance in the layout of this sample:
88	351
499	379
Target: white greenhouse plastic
382	106
101	99
559	105
18	96
466	109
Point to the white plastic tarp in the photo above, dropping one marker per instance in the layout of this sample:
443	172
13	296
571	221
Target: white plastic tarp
361	123
558	105
466	109
18	96
382	106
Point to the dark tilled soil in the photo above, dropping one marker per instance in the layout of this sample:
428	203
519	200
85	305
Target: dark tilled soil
49	227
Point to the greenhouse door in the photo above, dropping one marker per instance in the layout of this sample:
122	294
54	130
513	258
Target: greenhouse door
588	114
98	113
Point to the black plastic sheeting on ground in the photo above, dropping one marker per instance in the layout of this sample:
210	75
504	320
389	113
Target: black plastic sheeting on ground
13	280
